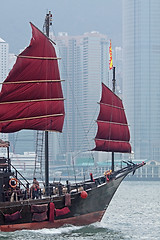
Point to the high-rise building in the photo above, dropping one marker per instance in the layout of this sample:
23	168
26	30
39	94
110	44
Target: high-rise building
117	62
141	75
4	50
84	66
95	71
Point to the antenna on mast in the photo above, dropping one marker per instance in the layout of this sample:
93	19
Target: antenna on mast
47	23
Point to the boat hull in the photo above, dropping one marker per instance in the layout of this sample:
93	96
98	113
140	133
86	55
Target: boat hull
82	211
82	220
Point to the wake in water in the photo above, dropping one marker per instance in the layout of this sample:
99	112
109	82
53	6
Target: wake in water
93	231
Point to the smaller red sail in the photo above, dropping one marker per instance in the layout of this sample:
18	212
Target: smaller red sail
31	96
113	132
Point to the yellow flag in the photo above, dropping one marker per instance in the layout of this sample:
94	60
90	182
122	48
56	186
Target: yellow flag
110	57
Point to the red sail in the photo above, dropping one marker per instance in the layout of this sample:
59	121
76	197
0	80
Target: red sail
31	96
113	132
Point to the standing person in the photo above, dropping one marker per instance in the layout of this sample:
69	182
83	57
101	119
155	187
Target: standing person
35	189
35	182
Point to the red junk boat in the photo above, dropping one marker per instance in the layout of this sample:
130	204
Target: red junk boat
32	98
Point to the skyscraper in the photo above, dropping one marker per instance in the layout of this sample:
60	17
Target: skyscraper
84	66
141	75
4	50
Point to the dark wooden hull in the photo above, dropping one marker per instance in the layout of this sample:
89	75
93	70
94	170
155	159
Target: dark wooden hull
82	211
81	220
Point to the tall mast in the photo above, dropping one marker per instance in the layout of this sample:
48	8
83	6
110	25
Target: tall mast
48	22
114	80
113	89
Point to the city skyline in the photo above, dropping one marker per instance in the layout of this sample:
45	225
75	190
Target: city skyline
140	42
98	48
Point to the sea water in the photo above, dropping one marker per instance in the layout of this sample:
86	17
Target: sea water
134	213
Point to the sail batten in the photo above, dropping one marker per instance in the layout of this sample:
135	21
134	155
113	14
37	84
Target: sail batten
123	124
105	104
40	58
33	100
113	132
32	91
31	118
33	81
114	141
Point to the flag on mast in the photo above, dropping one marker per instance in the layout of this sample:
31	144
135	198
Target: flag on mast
110	57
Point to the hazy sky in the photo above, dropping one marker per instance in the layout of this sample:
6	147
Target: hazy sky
72	16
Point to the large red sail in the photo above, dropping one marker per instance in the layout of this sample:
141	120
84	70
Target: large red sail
113	132
31	96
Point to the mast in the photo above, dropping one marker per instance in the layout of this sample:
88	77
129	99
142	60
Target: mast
113	89
48	22
114	80
32	97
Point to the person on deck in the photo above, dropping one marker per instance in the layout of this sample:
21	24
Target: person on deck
35	182
35	189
